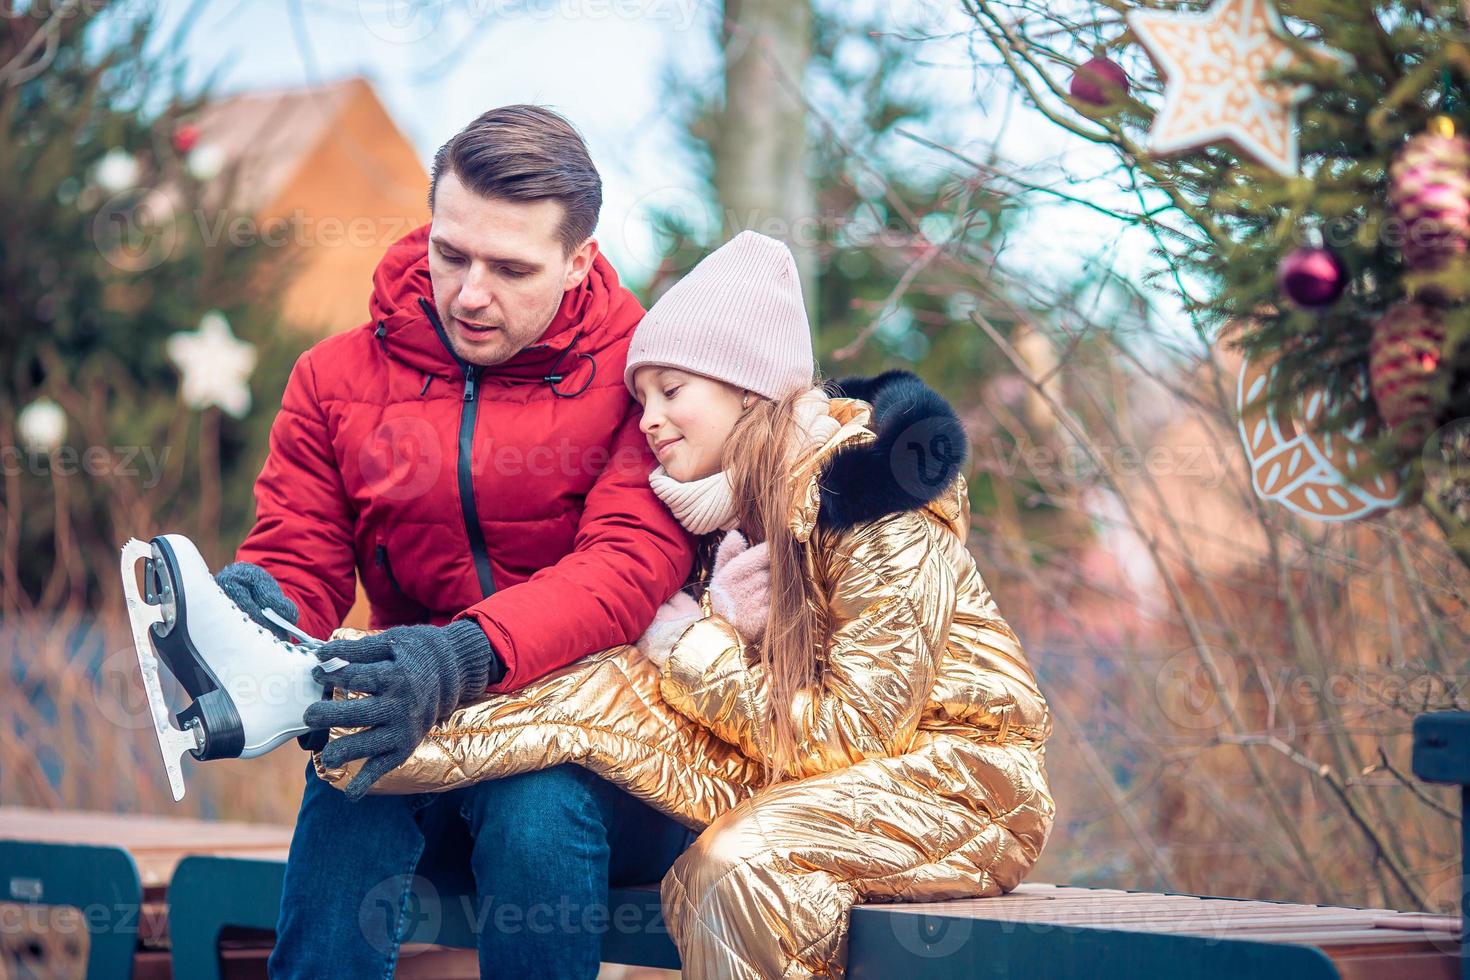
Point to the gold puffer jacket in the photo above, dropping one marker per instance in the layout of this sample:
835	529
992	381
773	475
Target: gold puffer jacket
923	776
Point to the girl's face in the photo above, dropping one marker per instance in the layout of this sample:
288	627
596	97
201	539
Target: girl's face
686	417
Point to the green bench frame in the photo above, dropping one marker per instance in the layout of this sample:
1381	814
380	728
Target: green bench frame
102	881
1442	755
210	893
921	946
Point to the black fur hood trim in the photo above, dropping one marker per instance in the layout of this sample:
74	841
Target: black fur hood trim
920	449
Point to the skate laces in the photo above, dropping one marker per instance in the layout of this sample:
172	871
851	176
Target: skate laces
307	640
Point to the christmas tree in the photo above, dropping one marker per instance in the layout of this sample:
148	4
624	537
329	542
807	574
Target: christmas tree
1299	168
114	286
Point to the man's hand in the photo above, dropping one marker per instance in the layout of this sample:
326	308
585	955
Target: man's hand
254	590
417	676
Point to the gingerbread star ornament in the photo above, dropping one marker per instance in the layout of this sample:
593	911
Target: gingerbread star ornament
1213	63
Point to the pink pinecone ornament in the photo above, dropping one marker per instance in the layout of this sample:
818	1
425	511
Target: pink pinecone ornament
1429	189
1403	359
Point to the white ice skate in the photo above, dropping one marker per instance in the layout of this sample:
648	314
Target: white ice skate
249	687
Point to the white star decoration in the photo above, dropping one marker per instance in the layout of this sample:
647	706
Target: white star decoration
1213	64
215	365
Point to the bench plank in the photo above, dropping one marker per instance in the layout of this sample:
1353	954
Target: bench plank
1062	930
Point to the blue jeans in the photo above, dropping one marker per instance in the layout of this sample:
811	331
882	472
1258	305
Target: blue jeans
538	850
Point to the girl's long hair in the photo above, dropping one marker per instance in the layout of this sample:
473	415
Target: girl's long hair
757	458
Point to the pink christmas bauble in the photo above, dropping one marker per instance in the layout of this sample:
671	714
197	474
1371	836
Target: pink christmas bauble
1311	276
1098	82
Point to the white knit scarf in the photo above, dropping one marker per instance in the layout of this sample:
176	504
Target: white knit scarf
707	504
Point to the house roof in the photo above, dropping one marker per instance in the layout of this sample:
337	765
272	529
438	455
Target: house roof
267	134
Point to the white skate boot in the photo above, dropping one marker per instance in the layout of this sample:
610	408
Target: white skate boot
249	686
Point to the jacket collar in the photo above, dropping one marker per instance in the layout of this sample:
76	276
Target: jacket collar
899	447
593	315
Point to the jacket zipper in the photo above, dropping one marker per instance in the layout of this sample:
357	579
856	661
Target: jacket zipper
469	406
382	559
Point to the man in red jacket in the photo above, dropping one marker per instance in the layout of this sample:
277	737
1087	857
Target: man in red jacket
473	453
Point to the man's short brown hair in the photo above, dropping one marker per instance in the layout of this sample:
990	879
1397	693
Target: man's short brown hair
526	153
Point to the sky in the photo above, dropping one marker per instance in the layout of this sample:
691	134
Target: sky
605	63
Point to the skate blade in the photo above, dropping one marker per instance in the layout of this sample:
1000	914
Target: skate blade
173	742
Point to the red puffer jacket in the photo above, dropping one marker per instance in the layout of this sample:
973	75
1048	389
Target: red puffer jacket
516	494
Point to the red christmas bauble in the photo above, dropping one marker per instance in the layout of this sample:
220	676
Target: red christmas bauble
1098	82
185	136
1312	276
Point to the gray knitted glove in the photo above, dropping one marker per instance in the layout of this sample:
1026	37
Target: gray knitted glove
417	676
254	590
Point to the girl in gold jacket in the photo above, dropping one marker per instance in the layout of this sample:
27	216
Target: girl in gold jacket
843	712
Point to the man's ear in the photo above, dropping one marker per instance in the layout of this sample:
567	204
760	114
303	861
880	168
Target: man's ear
579	263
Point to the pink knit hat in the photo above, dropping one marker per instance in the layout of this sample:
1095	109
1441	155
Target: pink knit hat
737	316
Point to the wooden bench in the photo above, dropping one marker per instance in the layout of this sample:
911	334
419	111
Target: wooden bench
1038	930
115	869
219	877
1045	930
